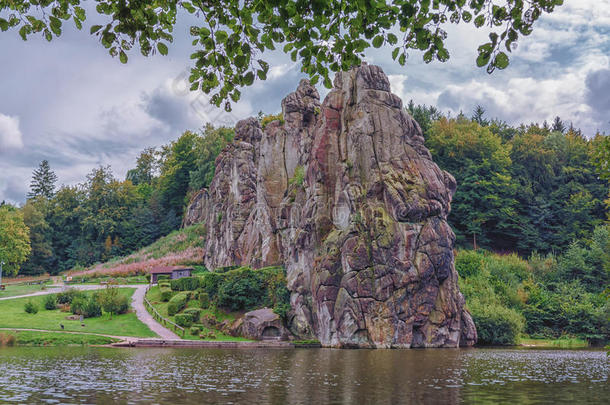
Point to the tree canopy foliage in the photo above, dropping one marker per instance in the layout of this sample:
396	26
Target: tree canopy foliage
325	36
14	239
523	189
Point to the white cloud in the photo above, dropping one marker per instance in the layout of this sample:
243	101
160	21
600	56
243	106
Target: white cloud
10	134
397	84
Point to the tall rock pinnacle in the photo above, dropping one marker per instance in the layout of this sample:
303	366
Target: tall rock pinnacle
346	196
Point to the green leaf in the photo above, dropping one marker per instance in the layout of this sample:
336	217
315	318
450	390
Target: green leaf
123	57
483	59
249	78
3	24
479	21
95	28
378	41
395	53
55	25
221	36
162	48
501	60
327	83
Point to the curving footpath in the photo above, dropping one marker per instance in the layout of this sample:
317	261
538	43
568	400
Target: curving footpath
145	317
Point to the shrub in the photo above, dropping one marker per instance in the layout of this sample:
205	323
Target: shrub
185	284
195	313
497	325
166	294
66	297
195	330
242	290
177	303
50	302
204	299
468	263
30	307
162	278
87	307
184	320
113	301
165	284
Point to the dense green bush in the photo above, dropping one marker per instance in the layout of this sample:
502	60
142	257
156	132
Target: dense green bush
50	302
195	313
556	296
184	320
88	307
468	263
165	284
162	277
166	294
496	324
30	307
195	330
185	284
66	297
238	289
204	299
242	290
177	303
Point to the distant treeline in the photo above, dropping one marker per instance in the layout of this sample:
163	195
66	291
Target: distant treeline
520	189
104	217
531	188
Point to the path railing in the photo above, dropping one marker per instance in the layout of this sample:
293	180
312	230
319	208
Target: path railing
161	319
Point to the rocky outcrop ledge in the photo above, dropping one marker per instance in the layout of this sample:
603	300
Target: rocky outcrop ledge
346	196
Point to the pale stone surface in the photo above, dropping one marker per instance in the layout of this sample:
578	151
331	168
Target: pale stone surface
363	233
261	324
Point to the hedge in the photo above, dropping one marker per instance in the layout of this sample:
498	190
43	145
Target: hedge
195	330
195	313
186	284
166	294
184	320
204	299
176	304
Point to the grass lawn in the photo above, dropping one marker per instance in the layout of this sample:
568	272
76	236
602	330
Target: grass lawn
12	315
154	296
31	338
563	343
13	290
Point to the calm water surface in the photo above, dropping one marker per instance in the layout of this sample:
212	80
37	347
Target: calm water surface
302	376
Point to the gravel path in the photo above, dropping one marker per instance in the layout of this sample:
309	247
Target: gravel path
145	317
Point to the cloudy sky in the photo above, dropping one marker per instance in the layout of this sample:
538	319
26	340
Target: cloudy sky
69	102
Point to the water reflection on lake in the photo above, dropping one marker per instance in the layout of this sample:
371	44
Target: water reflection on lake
302	376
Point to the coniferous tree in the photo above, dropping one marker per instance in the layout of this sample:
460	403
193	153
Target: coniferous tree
43	181
558	125
477	116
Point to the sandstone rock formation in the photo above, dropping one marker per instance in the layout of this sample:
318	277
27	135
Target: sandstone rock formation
345	195
260	325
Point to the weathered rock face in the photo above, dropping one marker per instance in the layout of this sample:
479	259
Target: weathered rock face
346	196
261	324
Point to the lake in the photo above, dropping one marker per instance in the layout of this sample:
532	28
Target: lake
302	376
